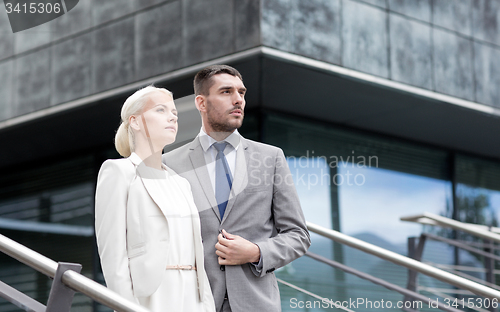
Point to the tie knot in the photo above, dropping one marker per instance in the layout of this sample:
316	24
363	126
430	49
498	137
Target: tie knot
220	146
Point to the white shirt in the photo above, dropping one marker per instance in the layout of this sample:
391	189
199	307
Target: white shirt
210	152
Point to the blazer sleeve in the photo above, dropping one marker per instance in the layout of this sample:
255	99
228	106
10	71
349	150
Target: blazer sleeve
292	239
110	225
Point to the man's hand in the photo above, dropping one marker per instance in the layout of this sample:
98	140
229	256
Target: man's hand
234	250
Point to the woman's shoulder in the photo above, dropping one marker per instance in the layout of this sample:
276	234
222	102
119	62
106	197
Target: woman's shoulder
121	162
122	166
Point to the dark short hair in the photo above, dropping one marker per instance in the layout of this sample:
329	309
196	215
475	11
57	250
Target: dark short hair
203	79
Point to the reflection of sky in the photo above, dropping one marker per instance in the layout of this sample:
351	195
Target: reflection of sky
495	202
371	199
314	194
377	205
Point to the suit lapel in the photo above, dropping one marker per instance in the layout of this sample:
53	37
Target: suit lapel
240	180
150	179
198	161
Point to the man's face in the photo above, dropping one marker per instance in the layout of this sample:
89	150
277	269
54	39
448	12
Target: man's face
225	103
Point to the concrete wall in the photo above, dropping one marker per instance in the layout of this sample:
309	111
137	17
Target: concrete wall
100	45
451	47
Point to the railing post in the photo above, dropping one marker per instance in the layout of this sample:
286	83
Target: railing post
414	252
61	296
489	265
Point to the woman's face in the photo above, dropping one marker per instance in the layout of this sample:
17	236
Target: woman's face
159	120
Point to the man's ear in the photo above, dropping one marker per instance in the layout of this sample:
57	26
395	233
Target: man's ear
134	122
201	103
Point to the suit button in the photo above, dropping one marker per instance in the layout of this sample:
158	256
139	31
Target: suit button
222	267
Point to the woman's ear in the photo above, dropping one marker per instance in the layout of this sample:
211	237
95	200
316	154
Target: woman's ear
134	123
201	103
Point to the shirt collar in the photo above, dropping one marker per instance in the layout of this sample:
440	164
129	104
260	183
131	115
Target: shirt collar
206	141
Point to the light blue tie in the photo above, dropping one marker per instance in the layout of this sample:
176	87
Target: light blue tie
223	178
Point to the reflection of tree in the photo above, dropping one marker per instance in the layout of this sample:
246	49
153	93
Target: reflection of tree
473	206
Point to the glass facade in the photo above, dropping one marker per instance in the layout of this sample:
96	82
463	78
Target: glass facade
361	185
60	193
351	181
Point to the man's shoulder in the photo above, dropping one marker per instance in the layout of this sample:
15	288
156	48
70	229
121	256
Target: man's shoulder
176	158
262	147
183	149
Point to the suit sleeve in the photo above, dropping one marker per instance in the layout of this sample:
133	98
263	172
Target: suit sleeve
110	226
292	239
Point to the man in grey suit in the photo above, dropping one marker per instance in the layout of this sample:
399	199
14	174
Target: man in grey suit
251	220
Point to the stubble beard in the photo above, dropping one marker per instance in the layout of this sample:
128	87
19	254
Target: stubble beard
221	126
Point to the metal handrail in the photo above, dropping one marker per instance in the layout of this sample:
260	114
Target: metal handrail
405	291
302	290
462	246
474	229
72	279
409	263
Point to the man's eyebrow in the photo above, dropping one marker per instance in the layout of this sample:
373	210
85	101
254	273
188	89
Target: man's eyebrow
231	87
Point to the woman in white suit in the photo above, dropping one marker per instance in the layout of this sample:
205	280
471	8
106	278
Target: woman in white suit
147	225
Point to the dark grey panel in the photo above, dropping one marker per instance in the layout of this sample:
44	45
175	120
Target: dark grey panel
321	95
76	20
453	73
487	74
410	52
208	29
6	36
486	20
356	104
419	9
104	11
71	61
317	29
276	24
6	68
158	37
365	38
453	15
113	55
247	24
32	82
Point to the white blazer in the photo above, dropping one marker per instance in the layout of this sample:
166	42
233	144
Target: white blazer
134	254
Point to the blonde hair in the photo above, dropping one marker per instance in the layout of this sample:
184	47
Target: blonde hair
134	105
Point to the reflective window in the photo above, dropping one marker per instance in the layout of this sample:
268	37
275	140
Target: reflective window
360	185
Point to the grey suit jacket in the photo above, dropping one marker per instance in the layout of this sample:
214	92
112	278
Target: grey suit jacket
263	208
